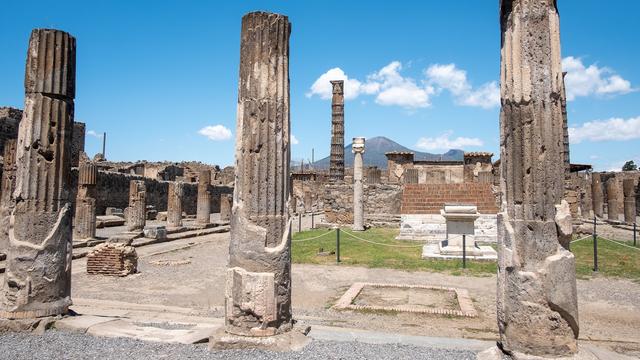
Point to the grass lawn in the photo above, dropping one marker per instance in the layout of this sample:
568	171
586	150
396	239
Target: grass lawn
614	260
356	252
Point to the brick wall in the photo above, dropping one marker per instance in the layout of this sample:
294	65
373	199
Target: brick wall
430	198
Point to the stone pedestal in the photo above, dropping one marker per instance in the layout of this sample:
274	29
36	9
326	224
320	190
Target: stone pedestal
358	189
37	282
629	190
537	304
136	213
258	280
174	205
203	214
85	219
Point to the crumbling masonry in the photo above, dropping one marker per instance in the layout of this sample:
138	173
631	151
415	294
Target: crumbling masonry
8	185
136	214
37	282
85	219
537	300
258	289
336	165
174	205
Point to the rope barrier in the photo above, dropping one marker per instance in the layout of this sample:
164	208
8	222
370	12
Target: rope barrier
381	244
314	238
619	243
584	238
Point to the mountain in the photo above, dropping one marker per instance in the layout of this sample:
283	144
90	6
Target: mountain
375	149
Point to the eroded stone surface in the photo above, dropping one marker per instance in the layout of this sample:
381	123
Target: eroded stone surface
203	213
537	305
112	259
85	218
226	202
629	190
174	205
597	195
260	239
8	185
336	161
136	213
37	282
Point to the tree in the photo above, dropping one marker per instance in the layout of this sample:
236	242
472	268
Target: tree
629	166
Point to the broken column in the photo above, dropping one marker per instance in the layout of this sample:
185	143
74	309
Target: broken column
174	204
137	211
37	281
336	165
258	289
597	195
537	300
85	219
358	187
8	185
226	201
629	189
614	210
203	213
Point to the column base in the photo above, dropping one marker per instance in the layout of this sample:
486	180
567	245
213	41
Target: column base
294	340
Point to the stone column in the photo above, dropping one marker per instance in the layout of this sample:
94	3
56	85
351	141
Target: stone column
85	219
358	187
203	214
226	200
8	186
258	289
597	195
336	166
308	201
614	210
37	281
629	189
537	299
174	204
137	211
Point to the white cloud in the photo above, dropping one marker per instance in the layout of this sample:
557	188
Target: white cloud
94	134
389	86
294	140
614	129
215	132
449	77
443	142
589	80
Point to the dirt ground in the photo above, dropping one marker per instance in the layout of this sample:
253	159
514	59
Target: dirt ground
190	273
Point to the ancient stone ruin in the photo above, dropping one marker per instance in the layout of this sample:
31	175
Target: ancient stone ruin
174	206
203	215
258	290
226	203
37	281
597	195
629	189
136	213
112	259
358	201
85	219
537	301
336	170
8	185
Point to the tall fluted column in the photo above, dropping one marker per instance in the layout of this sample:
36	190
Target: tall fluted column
174	204
37	281
8	185
597	195
258	290
629	189
537	301
336	165
203	213
358	191
137	210
85	219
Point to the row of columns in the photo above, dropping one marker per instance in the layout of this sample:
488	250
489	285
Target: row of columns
620	200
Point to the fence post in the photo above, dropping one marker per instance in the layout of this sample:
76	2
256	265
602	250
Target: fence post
635	232
299	222
464	251
595	246
312	221
337	245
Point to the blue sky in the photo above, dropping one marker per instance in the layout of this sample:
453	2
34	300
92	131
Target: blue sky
157	75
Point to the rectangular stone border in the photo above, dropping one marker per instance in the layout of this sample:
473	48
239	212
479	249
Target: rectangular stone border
464	300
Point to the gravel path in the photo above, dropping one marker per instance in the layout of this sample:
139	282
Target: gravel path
62	345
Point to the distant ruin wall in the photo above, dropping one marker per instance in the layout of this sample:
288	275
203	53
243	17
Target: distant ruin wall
381	203
112	190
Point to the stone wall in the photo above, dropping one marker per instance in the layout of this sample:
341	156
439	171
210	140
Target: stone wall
430	198
381	204
112	190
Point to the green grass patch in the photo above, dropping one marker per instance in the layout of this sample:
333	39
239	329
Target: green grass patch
359	253
614	260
